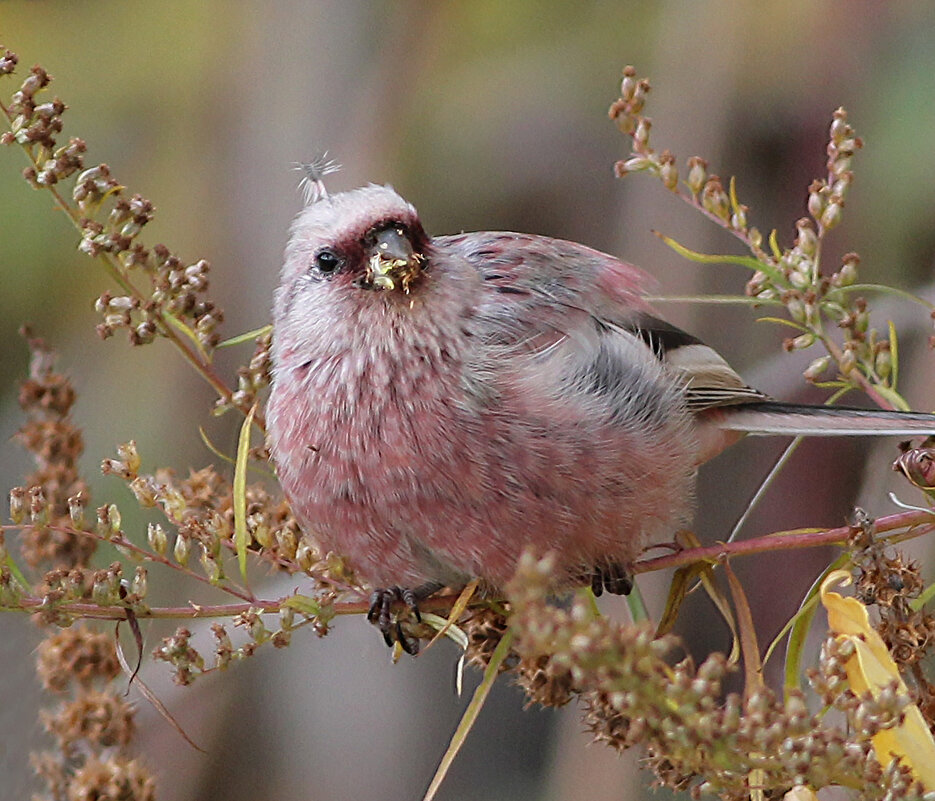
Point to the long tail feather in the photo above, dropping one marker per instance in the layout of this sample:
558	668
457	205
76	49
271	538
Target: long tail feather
790	419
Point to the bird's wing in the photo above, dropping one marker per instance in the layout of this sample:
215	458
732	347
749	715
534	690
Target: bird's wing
709	381
584	307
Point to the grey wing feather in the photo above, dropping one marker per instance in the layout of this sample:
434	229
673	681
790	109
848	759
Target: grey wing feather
708	381
627	339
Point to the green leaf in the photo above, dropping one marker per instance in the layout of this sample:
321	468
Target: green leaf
637	606
892	396
732	190
706	258
774	245
225	458
187	332
304	604
240	493
727	300
247	336
798	627
926	595
17	573
887	290
782	321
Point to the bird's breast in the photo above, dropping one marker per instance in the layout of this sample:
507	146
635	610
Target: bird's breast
366	425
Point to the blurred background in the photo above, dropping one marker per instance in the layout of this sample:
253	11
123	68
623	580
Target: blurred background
486	115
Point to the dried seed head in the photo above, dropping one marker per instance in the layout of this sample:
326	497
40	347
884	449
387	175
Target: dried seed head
714	199
117	777
99	719
806	241
139	585
18	505
697	174
182	549
668	172
817	368
641	134
76	655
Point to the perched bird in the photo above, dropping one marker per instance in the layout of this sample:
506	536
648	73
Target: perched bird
441	403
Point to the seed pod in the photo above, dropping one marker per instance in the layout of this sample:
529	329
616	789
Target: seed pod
157	538
697	174
182	549
815	370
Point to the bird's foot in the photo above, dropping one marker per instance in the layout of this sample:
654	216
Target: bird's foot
381	612
613	577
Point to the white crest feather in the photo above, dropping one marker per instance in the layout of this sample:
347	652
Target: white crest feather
314	172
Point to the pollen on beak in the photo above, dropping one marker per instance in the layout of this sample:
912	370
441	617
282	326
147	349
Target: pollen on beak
393	262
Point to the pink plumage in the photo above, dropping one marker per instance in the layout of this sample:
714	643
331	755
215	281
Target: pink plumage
439	404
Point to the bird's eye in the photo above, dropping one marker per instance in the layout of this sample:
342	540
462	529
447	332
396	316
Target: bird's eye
327	261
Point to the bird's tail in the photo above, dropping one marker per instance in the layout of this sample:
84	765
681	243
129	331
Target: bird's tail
791	419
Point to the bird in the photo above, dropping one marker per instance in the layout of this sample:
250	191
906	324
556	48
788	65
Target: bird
439	404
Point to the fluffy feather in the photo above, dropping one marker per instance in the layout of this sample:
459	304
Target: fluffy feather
515	390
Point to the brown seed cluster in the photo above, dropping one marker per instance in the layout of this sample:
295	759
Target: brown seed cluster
199	530
43	505
118	778
705	191
885	579
188	663
200	508
484	628
178	651
697	737
545	681
76	655
176	290
99	718
254	376
160	291
792	276
93	727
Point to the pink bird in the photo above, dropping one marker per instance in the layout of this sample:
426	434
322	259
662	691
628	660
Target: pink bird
441	403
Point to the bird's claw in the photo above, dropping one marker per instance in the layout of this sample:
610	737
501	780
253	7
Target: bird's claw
613	577
381	615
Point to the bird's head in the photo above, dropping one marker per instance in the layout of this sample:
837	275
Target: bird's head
362	277
368	240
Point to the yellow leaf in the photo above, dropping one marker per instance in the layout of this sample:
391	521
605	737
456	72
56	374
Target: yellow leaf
872	668
756	781
800	793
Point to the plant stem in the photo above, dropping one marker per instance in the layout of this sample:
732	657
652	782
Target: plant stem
922	522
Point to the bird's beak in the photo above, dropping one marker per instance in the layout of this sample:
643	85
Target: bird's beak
393	262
